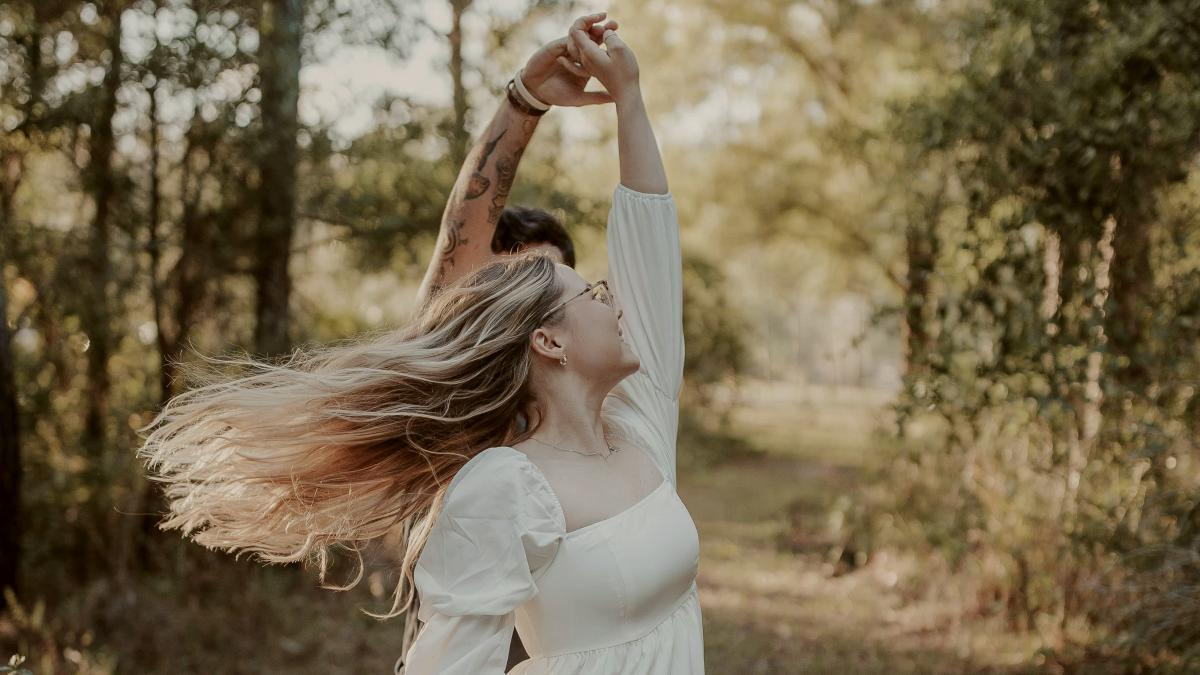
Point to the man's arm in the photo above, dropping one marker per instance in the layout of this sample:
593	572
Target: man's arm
478	198
481	190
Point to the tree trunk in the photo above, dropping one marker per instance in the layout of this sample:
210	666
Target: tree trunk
282	23
10	459
460	137
150	503
102	186
10	436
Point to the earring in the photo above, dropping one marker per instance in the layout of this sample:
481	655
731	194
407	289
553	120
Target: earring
563	360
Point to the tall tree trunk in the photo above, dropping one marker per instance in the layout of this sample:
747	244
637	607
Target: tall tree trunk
150	502
102	186
155	242
12	171
460	137
10	457
282	22
10	437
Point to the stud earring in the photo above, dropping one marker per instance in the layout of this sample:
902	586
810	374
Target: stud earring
563	360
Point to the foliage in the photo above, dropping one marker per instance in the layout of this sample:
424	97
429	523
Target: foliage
172	267
1051	392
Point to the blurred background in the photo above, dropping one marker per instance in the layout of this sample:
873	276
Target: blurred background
942	284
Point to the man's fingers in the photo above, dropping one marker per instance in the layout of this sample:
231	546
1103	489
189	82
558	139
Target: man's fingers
596	97
558	46
572	67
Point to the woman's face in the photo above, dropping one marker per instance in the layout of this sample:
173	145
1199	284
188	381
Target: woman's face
592	336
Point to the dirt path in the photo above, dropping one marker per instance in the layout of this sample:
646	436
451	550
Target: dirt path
768	610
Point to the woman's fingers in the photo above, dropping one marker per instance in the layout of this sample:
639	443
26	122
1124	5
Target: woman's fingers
612	40
590	54
597	30
583	22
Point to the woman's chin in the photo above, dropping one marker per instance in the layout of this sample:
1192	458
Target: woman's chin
630	361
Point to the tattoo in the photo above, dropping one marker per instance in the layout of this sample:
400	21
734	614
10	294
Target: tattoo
479	183
453	239
506	171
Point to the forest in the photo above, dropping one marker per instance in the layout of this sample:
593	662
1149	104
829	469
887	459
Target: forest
941	307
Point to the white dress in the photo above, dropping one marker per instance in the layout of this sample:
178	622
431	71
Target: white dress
617	597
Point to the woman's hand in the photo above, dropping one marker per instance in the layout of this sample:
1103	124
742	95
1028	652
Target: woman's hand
548	78
616	68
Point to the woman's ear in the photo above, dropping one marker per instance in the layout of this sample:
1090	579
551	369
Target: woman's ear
545	344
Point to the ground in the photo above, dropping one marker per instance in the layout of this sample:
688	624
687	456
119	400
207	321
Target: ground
772	603
768	609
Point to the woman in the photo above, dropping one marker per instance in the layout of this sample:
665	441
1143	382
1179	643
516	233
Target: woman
477	210
567	527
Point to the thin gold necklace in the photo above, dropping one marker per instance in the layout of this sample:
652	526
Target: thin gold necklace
611	449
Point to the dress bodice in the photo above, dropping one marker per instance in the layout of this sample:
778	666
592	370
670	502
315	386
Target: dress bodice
613	581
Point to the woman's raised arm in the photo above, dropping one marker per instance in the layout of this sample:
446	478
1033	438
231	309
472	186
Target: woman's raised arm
617	69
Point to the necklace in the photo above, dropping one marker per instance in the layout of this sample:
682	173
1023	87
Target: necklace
611	449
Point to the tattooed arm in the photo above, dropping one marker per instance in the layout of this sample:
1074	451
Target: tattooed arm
481	189
477	199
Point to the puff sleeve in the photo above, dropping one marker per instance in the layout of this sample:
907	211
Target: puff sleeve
645	271
498	531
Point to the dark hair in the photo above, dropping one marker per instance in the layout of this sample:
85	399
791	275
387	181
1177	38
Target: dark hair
522	226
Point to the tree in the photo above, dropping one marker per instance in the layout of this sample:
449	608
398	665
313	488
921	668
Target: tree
102	184
1060	135
279	68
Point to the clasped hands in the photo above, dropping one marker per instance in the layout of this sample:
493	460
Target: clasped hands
558	72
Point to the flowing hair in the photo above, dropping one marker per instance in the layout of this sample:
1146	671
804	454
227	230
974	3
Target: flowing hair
337	445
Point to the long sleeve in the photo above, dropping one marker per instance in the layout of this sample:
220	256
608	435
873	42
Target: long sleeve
645	271
461	644
499	528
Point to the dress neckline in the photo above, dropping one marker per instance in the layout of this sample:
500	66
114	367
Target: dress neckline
620	514
617	515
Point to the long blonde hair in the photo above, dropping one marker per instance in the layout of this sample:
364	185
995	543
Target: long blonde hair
336	445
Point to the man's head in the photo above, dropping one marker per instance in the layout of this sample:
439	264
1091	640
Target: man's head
524	229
